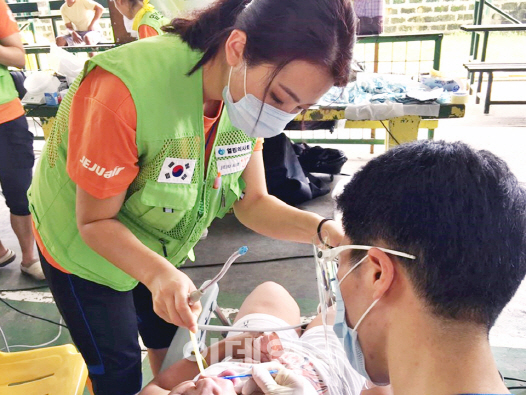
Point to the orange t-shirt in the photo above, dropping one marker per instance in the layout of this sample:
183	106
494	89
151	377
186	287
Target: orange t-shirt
102	128
146	31
13	109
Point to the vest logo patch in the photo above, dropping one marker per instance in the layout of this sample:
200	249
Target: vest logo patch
177	171
224	151
229	166
100	171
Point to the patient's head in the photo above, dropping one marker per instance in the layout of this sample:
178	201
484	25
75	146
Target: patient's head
460	211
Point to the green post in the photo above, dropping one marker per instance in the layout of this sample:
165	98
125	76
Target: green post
478	22
430	134
473	34
473	40
438	52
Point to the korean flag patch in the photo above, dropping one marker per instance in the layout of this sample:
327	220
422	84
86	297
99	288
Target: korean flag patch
177	171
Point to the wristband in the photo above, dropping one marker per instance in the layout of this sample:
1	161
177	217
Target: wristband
319	230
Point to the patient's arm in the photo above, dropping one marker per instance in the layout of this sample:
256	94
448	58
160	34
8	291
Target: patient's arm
184	370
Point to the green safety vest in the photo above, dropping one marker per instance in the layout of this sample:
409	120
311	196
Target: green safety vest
172	200
155	20
8	91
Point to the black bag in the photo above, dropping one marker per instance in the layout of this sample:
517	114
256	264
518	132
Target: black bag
320	160
18	78
286	179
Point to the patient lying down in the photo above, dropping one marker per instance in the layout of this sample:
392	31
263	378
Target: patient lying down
313	363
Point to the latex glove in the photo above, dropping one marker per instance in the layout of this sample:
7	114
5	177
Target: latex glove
285	383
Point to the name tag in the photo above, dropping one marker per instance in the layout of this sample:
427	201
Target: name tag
229	166
177	171
225	151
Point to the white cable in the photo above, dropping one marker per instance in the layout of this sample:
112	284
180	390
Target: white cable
5	340
220	328
34	346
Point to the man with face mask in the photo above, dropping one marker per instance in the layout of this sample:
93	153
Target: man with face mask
435	247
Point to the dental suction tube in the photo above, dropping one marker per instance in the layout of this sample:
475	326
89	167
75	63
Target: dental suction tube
196	295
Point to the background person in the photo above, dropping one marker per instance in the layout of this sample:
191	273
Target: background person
16	148
142	17
81	18
157	139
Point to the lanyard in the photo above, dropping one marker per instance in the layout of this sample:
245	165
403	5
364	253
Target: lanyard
212	132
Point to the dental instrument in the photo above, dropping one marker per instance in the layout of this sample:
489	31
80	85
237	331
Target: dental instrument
240	376
198	357
220	328
196	295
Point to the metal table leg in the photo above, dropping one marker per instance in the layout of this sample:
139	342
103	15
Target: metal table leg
402	130
488	93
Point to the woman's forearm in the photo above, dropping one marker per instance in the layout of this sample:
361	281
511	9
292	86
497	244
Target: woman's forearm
115	242
271	217
12	55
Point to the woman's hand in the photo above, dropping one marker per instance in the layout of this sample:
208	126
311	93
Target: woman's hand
334	231
170	289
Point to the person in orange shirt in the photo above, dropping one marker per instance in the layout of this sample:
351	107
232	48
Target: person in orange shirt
211	86
141	18
16	148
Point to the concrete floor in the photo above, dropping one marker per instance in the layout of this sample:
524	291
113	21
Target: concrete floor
503	132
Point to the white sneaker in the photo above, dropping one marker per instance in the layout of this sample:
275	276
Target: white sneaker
34	270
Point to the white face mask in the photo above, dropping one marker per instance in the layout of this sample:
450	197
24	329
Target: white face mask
326	260
349	337
128	23
248	115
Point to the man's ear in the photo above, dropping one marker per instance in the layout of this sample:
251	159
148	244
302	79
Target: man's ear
234	47
383	271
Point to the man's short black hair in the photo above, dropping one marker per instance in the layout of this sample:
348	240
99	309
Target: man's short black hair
460	211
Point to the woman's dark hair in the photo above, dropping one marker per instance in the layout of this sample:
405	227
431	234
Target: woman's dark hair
321	32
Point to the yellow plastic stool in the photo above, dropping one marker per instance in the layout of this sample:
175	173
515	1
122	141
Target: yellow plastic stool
56	370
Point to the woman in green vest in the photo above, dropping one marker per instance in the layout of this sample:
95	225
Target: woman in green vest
155	140
142	17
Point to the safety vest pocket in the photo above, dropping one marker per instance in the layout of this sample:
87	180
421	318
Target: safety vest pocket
162	205
229	195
